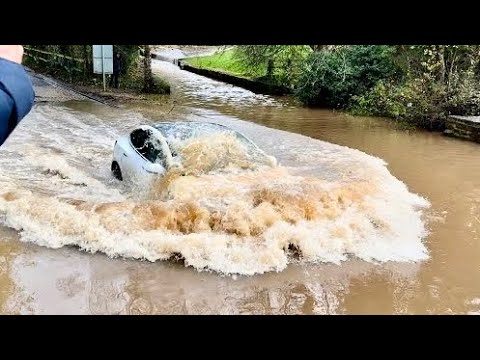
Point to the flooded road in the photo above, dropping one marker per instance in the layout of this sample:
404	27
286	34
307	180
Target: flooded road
369	253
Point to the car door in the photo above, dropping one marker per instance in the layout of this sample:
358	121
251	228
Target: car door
135	159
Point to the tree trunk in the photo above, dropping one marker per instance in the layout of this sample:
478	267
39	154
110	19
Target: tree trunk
148	84
441	59
86	63
270	66
316	48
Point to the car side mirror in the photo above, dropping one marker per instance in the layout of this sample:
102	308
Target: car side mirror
154	168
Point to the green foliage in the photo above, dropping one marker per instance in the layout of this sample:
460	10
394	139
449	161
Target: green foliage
280	64
80	67
62	61
275	64
161	86
464	99
326	79
331	78
438	80
442	63
371	63
130	58
414	101
383	99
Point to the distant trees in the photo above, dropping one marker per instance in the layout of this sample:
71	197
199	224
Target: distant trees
418	83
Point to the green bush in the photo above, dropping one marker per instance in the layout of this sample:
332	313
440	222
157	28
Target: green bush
332	78
384	99
417	102
161	86
133	80
465	98
274	64
371	63
326	79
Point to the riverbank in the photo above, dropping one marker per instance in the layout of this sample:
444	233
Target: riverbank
464	127
224	66
409	85
113	96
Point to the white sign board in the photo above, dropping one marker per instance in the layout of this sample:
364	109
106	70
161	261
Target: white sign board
103	59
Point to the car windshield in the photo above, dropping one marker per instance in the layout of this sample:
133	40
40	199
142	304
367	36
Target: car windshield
147	146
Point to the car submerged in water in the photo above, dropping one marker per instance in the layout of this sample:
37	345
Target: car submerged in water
153	150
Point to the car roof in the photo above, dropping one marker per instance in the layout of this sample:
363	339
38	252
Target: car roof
168	125
187	129
183	130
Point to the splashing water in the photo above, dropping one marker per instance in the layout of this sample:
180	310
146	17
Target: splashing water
221	211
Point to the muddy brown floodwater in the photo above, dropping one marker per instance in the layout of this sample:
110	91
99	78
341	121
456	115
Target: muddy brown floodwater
394	238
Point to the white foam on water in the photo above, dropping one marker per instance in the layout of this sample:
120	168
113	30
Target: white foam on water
326	202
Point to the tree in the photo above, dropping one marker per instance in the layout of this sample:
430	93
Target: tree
148	83
281	63
331	78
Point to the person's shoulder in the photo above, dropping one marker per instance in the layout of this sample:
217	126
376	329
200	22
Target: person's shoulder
16	82
13	73
8	66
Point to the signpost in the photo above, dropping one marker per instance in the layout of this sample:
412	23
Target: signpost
103	61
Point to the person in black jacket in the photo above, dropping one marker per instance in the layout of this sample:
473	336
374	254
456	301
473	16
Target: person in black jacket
117	68
16	90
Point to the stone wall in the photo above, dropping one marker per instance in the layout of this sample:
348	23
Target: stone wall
254	86
466	127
